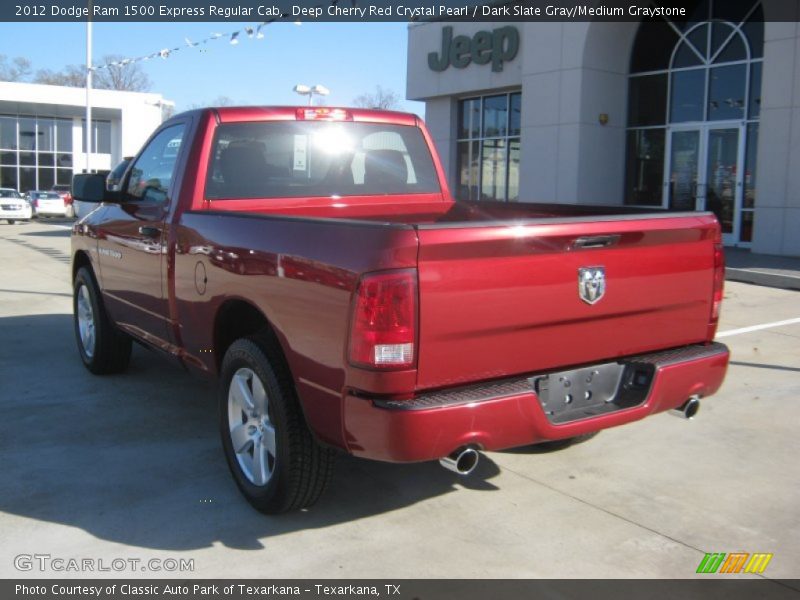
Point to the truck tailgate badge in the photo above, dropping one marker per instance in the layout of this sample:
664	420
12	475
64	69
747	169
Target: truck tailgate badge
591	283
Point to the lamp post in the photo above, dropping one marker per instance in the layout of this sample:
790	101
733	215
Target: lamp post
305	90
88	131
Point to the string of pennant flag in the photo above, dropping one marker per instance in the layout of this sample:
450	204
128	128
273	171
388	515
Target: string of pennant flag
253	32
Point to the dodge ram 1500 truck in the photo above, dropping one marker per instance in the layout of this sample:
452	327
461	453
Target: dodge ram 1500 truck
313	261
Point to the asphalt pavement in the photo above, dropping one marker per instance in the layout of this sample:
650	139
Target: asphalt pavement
130	467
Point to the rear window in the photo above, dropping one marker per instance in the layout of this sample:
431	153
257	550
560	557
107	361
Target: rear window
46	195
9	194
290	159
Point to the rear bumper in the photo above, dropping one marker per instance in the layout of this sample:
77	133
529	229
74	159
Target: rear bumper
507	413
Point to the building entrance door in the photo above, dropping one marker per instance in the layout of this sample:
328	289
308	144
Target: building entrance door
704	172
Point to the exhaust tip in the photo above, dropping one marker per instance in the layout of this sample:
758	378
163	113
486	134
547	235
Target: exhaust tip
463	461
688	409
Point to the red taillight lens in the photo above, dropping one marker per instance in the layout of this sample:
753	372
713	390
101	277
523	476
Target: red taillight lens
384	321
719	284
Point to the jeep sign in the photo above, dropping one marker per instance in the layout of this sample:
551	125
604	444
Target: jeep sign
497	46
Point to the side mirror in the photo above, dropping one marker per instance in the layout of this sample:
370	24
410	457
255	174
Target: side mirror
91	187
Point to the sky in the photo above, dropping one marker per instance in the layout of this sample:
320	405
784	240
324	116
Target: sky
347	58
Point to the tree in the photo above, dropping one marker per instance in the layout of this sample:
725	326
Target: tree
128	77
19	69
118	75
70	76
382	98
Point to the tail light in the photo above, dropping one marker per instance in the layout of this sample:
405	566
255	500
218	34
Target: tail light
323	114
719	284
35	203
384	321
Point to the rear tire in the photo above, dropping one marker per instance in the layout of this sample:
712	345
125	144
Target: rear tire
102	347
277	464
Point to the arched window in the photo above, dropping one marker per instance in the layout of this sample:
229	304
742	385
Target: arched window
693	101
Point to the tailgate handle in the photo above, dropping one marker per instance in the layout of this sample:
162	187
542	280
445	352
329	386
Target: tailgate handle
596	241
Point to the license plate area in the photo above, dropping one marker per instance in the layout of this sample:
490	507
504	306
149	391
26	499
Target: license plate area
567	396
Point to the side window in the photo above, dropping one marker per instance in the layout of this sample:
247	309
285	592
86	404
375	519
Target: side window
151	174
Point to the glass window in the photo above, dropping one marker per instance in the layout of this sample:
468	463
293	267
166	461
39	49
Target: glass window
488	157
755	90
102	137
726	93
47	178
513	170
46	135
647	100
645	167
688	94
734	50
684	163
27	179
64	176
470	119
493	170
318	158
495	116
8	158
27	158
467	183
27	133
8	177
8	133
64	160
152	172
64	135
653	46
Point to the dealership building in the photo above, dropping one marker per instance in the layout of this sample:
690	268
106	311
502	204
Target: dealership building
42	131
697	114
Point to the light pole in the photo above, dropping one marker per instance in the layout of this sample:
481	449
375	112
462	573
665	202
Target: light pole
88	131
305	90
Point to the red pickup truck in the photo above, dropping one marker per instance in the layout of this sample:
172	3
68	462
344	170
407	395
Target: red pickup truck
313	261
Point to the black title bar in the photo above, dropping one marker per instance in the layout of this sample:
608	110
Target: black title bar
265	11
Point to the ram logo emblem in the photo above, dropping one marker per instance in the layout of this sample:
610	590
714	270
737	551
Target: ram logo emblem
591	283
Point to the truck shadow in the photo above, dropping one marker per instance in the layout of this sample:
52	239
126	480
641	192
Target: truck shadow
136	459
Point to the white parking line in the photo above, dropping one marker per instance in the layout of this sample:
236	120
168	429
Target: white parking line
757	327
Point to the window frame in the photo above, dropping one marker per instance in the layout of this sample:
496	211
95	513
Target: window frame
478	142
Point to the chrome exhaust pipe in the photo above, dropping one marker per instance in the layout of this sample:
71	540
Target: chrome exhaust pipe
463	461
688	409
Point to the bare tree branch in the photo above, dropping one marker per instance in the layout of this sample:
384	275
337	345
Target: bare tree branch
18	70
382	98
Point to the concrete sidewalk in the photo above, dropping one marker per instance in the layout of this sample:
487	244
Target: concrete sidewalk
762	269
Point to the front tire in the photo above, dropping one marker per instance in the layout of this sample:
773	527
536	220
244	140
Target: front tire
10	221
273	457
102	348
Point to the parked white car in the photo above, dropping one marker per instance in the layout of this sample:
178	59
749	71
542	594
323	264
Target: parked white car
13	207
48	204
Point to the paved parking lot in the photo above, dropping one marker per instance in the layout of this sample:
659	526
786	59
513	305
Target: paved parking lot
130	467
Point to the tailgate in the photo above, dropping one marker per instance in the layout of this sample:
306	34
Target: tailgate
503	299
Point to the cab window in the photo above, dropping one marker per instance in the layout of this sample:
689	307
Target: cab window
152	173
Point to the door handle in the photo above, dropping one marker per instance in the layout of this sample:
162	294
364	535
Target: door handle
150	232
596	241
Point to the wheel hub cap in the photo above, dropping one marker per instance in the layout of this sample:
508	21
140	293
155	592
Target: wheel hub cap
251	429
